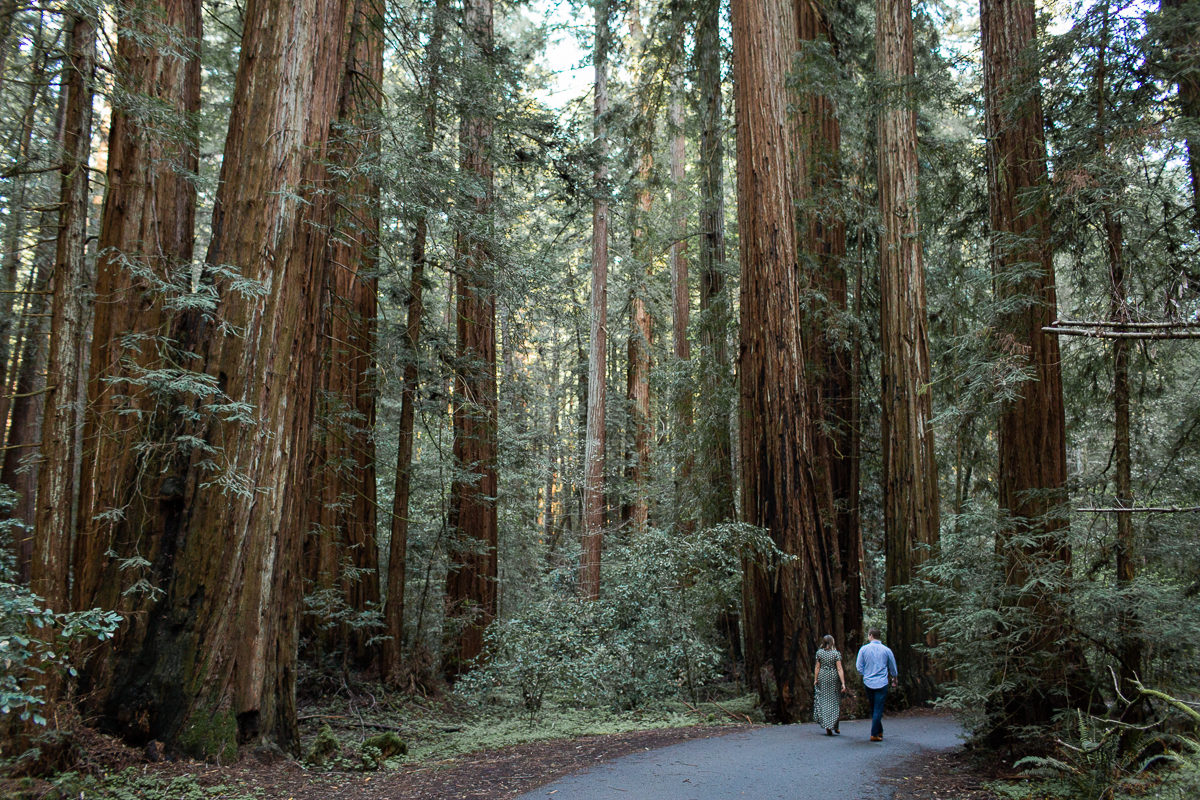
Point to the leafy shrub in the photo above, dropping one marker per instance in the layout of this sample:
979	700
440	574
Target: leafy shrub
35	641
649	636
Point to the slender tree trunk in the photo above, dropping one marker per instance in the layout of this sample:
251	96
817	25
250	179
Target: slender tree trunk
471	580
211	663
15	224
680	311
1182	19
787	607
20	471
718	505
1032	427
911	513
50	576
393	648
342	508
636	512
1130	643
597	369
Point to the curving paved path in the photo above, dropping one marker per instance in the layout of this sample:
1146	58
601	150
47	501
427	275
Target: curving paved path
797	762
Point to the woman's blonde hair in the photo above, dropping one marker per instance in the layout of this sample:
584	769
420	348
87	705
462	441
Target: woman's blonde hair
827	642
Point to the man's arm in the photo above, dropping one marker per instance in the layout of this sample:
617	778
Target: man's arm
891	663
859	664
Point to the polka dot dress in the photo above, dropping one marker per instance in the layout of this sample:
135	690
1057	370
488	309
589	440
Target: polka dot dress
827	702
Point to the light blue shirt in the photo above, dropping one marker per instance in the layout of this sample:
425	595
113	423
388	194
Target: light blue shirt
875	663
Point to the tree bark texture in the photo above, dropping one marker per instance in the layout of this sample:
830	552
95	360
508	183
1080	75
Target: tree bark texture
51	567
636	513
823	250
593	481
1031	427
145	263
341	533
716	377
398	546
911	514
789	606
208	661
471	579
681	299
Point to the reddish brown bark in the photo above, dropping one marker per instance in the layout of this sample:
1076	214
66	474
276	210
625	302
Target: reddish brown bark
911	513
208	662
471	580
51	567
1032	426
341	554
593	481
681	298
823	247
788	607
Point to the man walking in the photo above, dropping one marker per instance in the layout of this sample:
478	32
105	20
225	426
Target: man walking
876	664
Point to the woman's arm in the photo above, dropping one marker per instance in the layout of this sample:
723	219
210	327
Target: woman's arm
816	671
841	674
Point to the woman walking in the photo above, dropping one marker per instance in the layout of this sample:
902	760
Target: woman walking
829	681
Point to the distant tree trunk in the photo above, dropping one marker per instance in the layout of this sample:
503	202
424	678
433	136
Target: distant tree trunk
208	662
50	576
823	245
471	580
342	522
393	648
636	512
20	471
911	513
718	505
787	607
1130	643
14	227
1032	426
597	370
680	310
1182	18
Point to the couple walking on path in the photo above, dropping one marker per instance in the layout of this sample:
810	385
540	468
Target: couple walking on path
877	666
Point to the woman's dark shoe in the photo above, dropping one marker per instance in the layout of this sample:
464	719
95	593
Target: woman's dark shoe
829	732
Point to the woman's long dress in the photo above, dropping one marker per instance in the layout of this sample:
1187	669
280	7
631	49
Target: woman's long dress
828	700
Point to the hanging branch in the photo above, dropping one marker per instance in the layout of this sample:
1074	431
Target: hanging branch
1156	510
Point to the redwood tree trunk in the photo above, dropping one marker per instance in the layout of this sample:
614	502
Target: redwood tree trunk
342	522
788	607
51	567
1032	428
718	504
823	248
636	512
593	481
911	514
471	580
210	664
681	298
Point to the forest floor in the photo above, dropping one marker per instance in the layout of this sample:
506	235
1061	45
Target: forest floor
458	753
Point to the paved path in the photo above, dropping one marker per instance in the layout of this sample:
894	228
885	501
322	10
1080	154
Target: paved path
797	762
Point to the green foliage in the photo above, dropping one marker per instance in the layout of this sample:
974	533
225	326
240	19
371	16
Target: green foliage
211	735
35	641
135	784
648	637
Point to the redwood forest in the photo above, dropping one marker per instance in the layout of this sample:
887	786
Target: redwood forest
381	373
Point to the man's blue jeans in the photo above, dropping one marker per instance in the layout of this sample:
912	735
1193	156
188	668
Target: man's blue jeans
875	698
